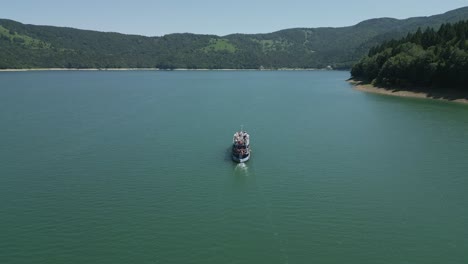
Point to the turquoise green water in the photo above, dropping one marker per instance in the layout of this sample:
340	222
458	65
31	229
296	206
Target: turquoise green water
133	167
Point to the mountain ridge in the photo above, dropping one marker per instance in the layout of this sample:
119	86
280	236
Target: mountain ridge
39	46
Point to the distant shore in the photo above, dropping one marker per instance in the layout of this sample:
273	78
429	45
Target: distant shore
369	88
70	69
155	69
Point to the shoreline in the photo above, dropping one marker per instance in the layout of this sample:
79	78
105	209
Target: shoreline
155	69
369	88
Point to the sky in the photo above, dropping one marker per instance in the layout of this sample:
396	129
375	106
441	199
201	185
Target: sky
157	17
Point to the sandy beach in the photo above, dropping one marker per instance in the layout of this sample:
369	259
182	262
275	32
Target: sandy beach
364	87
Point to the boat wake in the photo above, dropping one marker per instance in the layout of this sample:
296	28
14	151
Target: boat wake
242	165
241	169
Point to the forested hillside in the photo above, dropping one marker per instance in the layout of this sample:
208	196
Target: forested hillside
429	58
30	46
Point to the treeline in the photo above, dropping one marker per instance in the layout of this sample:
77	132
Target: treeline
31	46
429	58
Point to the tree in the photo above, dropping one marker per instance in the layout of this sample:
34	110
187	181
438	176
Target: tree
430	58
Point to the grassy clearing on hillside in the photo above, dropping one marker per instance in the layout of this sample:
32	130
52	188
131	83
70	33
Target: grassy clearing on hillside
23	39
220	45
269	45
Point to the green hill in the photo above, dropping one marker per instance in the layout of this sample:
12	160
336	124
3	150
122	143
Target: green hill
429	61
31	46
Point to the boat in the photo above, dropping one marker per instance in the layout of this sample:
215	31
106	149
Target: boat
241	146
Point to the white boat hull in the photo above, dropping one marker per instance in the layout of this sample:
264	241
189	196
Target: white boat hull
240	160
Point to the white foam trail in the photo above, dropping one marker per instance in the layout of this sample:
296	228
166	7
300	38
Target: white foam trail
242	165
241	169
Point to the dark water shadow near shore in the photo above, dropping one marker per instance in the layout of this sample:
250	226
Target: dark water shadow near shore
415	91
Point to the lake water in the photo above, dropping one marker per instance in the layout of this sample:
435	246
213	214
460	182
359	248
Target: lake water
134	167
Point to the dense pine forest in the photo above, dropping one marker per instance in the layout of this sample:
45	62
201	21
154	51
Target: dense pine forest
427	59
31	46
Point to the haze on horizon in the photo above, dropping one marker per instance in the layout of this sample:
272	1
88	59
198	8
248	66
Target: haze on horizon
156	18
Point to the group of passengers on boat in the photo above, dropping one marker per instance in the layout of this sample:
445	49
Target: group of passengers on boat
241	138
241	143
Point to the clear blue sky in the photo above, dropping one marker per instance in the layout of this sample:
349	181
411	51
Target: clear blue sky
157	17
